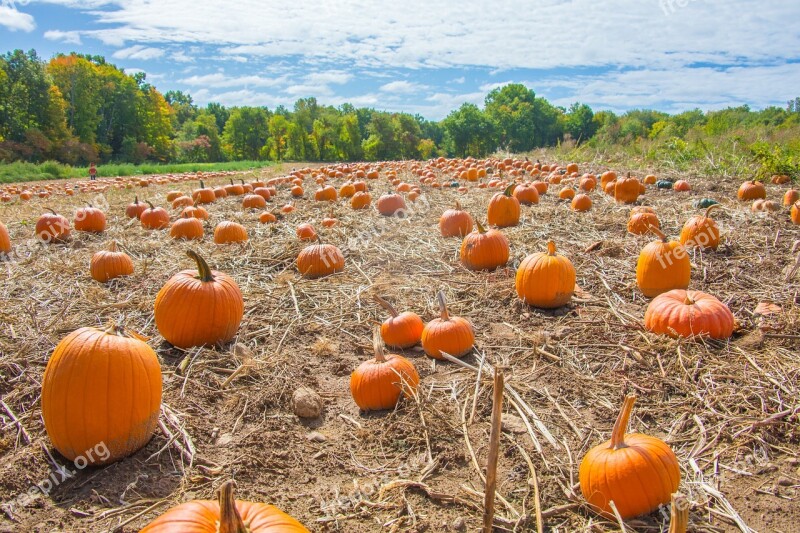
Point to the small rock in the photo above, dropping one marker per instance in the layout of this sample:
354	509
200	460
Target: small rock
224	439
459	524
513	424
306	403
316	436
784	481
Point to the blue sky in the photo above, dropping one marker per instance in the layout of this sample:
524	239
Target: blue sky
430	56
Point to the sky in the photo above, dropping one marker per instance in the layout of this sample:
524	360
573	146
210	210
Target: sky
431	56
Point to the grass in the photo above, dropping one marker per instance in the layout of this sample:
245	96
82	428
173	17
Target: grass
51	170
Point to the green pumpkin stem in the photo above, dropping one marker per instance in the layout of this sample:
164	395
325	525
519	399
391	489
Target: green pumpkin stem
481	229
386	305
618	433
202	266
678	514
510	189
443	306
230	521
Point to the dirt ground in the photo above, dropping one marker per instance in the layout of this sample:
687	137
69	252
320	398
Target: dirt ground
729	409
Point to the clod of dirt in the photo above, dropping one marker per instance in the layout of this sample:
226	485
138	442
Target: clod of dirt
306	403
459	524
316	436
513	424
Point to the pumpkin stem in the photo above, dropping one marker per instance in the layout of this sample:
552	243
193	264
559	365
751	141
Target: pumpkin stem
231	180
551	248
202	266
377	344
658	233
230	521
113	246
618	433
49	209
688	300
458	205
481	229
386	305
150	204
678	514
712	206
202	185
510	189
136	200
241	181
443	307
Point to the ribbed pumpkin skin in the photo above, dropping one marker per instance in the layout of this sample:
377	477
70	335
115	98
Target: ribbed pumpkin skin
5	241
254	201
455	223
377	385
90	219
503	209
640	223
100	387
227	232
320	260
545	279
188	228
454	336
135	209
794	213
389	204
700	231
202	516
526	195
680	313
109	264
791	197
154	218
403	330
751	190
484	250
638	478
192	312
360	200
663	266
581	202
52	228
626	190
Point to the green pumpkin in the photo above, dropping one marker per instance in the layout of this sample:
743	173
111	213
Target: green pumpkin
664	184
705	203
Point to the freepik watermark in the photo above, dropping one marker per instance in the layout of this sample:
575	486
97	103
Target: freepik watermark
671	6
98	454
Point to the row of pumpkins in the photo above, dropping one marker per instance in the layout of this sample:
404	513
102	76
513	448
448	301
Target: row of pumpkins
544	279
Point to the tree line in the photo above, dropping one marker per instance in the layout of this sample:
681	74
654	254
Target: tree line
78	108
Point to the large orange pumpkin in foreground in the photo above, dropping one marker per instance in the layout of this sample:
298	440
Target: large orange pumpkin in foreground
681	313
637	472
545	280
378	383
101	390
198	307
450	334
662	266
224	516
401	330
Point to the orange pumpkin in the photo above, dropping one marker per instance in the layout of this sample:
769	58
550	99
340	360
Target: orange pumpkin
198	307
319	260
228	232
581	202
545	280
567	193
751	190
52	227
791	197
204	195
135	209
401	330
794	213
187	227
681	313
640	222
109	264
484	250
681	186
266	218
390	205
504	209
101	388
154	217
378	383
637	472
662	266
5	242
224	516
196	212
360	200
450	334
325	194
455	222
526	195
306	232
254	201
626	190
701	231
90	219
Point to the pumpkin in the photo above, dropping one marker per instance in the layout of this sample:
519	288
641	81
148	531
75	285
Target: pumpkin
780	179
263	192
154	217
266	218
90	219
227	232
607	177
794	213
109	264
484	250
187	228
751	190
581	202
662	266
526	195
306	232
224	516
234	189
5	242
347	190
101	387
220	192
588	183
182	201
135	209
450	334
378	383
204	195
390	205
329	221
567	193
681	186
637	472
172	195
626	190
664	184
254	201
198	307
701	231
650	179
319	260
401	330
360	200
681	313
640	222
540	186
770	205
704	203
325	194
455	222
504	209
791	197
52	227
545	280
196	212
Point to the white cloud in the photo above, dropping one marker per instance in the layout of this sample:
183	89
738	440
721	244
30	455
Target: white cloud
138	52
337	77
222	80
402	87
305	90
181	57
15	20
70	37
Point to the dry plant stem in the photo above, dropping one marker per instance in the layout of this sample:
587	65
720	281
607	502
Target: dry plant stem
494	450
16	421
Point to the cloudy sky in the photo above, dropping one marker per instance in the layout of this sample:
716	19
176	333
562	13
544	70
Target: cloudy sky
430	56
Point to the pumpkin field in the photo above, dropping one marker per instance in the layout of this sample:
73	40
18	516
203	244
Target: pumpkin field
359	344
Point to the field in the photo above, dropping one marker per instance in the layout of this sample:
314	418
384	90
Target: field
729	409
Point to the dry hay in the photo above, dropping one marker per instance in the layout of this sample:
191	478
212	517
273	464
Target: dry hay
729	410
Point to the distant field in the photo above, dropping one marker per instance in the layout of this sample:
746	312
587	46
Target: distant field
51	170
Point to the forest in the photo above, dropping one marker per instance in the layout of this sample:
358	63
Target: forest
76	109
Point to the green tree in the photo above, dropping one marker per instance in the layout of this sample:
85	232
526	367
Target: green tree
579	122
512	110
468	131
246	132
